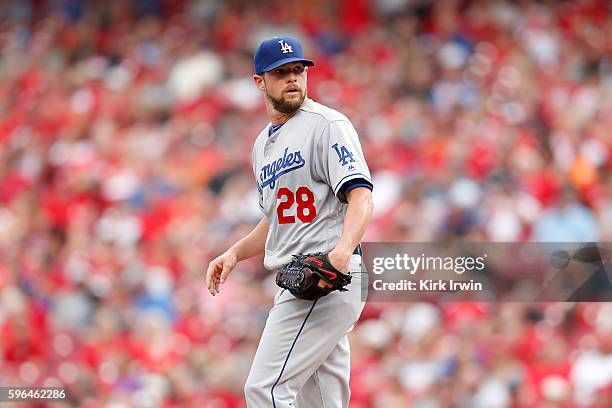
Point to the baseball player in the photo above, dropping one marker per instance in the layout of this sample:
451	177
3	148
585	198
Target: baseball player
315	196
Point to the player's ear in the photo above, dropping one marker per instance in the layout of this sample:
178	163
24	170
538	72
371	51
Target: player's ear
259	82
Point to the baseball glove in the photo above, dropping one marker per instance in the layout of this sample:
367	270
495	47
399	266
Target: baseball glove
301	276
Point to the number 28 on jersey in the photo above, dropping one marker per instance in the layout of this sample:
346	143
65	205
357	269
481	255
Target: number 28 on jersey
298	204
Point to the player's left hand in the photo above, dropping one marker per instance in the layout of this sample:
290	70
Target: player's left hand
340	259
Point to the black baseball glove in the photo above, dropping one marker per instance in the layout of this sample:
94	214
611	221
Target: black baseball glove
301	276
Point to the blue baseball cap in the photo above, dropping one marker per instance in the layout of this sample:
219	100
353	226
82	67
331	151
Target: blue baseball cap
278	51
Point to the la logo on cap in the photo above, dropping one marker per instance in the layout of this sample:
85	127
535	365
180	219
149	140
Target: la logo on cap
269	55
285	47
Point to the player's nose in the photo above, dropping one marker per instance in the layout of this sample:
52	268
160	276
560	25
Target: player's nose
291	77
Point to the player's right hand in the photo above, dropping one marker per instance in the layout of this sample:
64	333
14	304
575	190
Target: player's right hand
218	270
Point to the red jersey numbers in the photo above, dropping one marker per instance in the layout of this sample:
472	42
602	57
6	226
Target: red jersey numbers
305	208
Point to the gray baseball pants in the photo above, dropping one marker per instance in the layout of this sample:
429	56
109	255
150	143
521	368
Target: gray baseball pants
303	357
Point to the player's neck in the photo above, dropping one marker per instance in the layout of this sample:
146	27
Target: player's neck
278	118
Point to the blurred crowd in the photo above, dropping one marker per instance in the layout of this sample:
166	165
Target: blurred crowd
125	136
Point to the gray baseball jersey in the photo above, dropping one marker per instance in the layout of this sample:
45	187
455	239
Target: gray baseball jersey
300	169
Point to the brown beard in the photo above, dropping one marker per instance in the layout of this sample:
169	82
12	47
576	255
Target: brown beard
284	106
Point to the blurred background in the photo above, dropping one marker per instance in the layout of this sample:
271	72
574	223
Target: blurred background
125	136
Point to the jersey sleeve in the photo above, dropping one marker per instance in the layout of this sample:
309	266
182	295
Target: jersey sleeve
341	157
346	187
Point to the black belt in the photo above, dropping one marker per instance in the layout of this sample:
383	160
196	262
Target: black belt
357	250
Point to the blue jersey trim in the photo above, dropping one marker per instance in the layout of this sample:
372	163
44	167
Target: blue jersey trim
350	185
354	175
274	128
